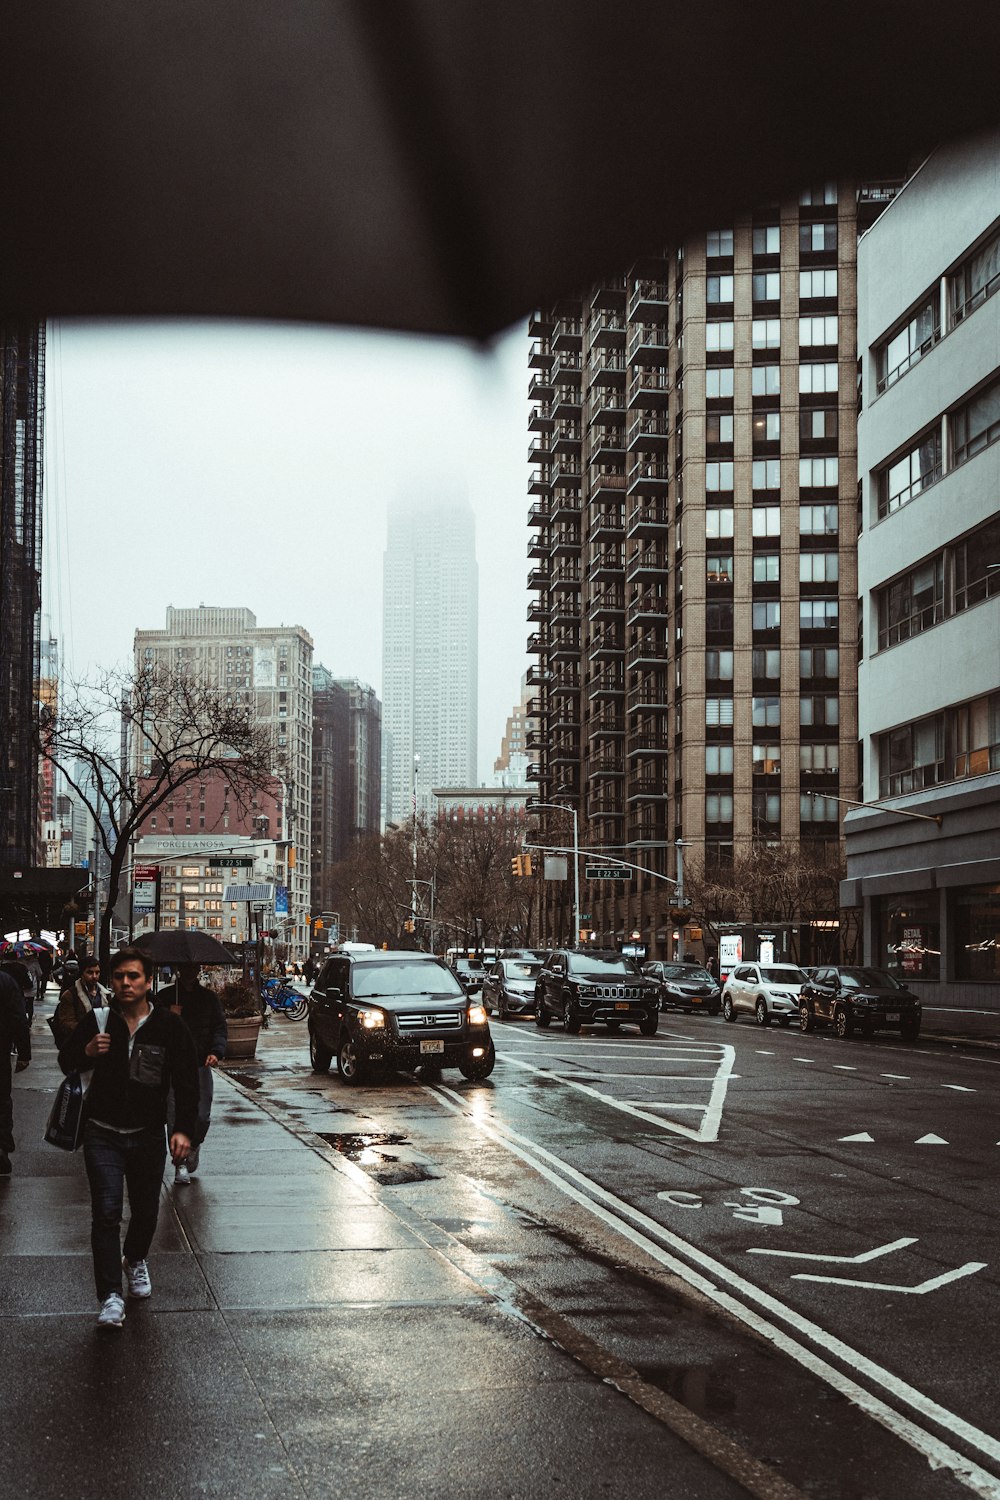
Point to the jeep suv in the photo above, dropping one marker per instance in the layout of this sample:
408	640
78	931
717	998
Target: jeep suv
862	998
376	1011
586	986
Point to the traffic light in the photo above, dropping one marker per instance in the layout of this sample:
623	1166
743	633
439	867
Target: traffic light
526	864
409	925
517	865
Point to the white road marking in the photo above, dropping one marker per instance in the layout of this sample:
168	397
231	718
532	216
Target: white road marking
711	1112
841	1260
844	1068
969	1269
762	1053
803	1059
930	1140
864	1136
938	1453
903	1077
959	1088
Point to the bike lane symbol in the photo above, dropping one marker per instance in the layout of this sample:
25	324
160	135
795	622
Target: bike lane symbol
759	1205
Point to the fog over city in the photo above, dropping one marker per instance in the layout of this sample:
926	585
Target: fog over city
252	465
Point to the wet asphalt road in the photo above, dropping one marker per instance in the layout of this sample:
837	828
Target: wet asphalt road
794	1237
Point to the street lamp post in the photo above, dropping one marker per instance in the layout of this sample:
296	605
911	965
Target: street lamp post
567	807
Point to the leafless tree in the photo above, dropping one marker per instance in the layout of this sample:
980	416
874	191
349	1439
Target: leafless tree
180	730
779	884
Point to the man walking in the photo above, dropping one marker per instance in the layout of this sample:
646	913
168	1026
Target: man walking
15	1034
137	1055
79	997
201	1011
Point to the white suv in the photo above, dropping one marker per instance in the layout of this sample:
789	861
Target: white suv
765	991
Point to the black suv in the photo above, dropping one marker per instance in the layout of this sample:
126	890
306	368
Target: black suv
862	999
374	1011
588	986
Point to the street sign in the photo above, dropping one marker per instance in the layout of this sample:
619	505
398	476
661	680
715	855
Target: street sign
231	863
606	872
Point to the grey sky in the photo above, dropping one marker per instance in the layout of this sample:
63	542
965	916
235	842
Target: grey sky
252	465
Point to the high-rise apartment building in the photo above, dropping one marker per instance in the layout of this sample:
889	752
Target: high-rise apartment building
694	529
347	745
430	653
924	867
511	766
271	669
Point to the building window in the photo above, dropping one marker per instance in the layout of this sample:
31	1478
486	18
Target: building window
718	521
819	473
817	284
767	427
766	474
817	377
719	666
765	807
719	428
719	383
767	239
718	760
718	711
895	355
718	336
767	760
911	604
718	567
818	424
909	935
814	238
819	710
977	566
766	520
912	757
817	331
718	807
765	567
766	286
766	712
976	911
765	663
976	279
819	567
818	520
819	759
975	425
765	333
719	242
820	662
901	481
815	808
765	380
826	192
718	619
818	614
718	289
719	476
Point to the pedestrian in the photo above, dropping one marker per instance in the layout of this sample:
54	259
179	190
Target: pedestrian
22	977
140	1055
15	1036
201	1011
712	965
78	998
309	970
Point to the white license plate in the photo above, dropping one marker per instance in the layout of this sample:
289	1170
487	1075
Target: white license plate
622	1005
431	1047
892	1015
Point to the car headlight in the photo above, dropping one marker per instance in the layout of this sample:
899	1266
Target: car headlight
372	1018
477	1015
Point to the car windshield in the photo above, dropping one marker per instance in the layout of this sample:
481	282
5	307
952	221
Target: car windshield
598	963
411	978
685	971
468	966
523	970
868	979
788	975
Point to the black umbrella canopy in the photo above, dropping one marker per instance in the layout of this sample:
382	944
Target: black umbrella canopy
433	164
183	945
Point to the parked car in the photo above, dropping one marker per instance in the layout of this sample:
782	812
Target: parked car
766	991
510	986
382	1010
685	987
581	987
470	974
859	999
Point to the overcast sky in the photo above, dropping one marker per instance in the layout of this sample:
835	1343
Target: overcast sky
217	463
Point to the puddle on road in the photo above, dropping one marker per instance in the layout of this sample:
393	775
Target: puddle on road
248	1080
364	1150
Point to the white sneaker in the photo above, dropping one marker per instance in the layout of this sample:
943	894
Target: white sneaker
182	1177
112	1313
137	1276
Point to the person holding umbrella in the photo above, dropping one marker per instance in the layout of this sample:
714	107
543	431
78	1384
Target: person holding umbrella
201	1011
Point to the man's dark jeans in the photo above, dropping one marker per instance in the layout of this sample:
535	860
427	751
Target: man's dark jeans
115	1161
6	1103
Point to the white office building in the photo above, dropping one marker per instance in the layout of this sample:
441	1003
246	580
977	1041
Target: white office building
430	691
924	867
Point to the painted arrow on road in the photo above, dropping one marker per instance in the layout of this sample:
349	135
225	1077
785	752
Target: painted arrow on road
840	1260
969	1269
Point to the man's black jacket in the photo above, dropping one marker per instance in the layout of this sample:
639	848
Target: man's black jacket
131	1091
15	1033
202	1014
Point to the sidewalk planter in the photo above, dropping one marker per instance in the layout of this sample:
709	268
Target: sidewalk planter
242	1010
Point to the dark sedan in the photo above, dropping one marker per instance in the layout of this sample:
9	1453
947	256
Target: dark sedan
509	986
686	987
859	999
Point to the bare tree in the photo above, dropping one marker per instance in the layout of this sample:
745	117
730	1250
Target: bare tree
780	884
180	729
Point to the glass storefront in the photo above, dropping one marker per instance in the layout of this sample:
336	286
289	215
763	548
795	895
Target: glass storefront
909	935
976	913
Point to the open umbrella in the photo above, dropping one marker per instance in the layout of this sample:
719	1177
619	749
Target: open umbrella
24	948
183	945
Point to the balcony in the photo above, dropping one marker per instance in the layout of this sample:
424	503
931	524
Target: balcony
648	694
564	507
538	515
538	643
534	739
566	469
565	720
566	403
538	676
648	343
538	611
651	478
607	485
540	482
540	388
607	330
539	323
646	741
649	518
605	802
649	389
647	564
565	439
540	451
649	301
565	611
567	335
538	578
649	651
607	404
607	725
607	445
606	767
648	434
607	684
563	685
540	419
565	755
562	644
606	527
565	579
609	294
607	646
540	355
606	564
564	540
647	606
607	604
566	369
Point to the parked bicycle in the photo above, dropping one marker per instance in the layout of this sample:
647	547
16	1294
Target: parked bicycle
278	995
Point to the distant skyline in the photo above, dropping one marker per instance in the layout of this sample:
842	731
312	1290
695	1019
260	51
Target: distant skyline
253	465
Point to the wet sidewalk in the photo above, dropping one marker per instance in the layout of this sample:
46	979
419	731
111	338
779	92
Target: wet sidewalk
303	1338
